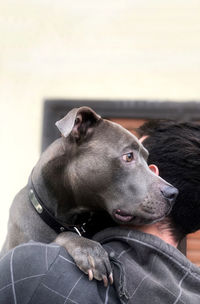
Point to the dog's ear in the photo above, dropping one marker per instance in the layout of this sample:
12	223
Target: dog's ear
78	122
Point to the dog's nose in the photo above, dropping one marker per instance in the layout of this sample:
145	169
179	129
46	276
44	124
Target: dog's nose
169	192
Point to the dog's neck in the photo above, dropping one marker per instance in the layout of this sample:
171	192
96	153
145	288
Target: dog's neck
48	181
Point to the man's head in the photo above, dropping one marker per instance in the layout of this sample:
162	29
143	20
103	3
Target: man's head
175	149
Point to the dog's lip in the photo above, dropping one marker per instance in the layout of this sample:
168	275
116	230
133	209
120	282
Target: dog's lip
123	216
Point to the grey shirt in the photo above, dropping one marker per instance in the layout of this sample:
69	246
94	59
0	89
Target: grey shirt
146	270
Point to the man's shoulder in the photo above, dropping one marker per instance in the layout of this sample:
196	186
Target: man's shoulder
38	273
149	268
23	268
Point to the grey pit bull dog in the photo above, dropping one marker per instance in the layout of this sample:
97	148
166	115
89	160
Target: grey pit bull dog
96	167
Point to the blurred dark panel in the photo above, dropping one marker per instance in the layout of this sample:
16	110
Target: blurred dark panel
54	109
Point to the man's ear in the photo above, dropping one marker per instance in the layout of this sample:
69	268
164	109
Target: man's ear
154	169
78	122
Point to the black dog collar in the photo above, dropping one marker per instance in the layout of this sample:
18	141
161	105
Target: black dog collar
48	217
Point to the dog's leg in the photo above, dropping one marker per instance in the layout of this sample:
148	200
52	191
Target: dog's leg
88	255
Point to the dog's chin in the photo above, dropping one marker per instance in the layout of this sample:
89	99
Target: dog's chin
140	221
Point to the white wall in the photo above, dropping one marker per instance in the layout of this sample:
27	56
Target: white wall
108	48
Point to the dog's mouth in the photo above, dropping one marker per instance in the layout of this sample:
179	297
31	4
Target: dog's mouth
123	216
142	216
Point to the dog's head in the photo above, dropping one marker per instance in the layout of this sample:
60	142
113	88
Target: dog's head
108	170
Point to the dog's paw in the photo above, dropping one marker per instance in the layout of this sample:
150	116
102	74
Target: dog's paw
92	259
88	255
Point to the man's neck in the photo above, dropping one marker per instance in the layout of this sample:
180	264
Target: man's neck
159	230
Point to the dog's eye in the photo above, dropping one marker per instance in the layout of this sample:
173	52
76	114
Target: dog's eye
128	157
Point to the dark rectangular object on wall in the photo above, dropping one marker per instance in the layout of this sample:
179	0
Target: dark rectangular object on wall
54	109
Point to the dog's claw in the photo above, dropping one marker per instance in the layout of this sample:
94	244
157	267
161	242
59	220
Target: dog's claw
105	280
111	278
90	274
91	261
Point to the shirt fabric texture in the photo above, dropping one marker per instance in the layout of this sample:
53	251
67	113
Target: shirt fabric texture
146	271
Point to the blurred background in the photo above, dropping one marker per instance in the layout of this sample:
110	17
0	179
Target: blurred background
108	49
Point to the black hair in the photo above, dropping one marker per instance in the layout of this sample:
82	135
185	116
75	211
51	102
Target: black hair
175	148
